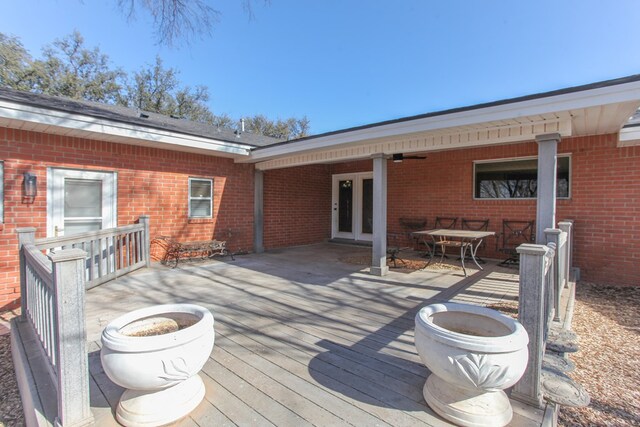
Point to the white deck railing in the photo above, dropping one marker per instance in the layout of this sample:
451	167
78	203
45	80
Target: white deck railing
110	253
544	274
52	288
52	294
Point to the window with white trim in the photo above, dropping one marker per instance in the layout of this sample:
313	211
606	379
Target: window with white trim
517	178
200	198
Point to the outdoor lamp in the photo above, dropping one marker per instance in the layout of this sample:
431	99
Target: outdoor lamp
398	157
29	185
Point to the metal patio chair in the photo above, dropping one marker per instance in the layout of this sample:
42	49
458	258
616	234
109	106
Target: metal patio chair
515	233
410	225
394	248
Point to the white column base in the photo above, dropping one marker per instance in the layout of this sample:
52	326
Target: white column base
379	271
145	408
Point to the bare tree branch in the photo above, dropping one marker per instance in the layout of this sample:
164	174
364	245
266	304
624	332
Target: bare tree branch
175	20
180	20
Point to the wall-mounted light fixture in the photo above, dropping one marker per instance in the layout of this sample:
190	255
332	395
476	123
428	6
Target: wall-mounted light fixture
398	157
29	186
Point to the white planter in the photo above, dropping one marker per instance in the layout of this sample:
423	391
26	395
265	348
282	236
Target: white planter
473	353
159	372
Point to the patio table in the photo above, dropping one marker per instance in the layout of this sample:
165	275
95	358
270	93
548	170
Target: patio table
466	240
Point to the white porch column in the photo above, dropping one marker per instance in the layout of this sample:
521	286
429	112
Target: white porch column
379	249
547	167
258	212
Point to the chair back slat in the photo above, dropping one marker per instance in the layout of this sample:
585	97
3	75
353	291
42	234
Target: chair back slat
475	224
445	222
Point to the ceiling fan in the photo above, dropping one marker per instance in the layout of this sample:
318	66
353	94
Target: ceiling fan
399	157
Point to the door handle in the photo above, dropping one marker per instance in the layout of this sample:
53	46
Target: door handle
57	230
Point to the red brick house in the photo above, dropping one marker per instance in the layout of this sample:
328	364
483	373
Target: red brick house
98	166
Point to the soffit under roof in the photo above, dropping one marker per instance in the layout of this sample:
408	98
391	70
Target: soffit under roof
91	120
599	109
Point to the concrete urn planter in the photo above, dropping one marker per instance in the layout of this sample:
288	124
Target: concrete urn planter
156	353
473	353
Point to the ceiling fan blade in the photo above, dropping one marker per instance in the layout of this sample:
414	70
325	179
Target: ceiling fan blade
398	157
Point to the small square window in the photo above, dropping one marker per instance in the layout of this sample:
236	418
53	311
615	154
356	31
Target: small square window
200	198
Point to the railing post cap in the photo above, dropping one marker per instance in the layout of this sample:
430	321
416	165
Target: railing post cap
566	222
67	255
532	249
144	216
552	231
26	230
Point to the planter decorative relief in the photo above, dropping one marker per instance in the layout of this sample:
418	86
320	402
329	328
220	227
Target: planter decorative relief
473	353
156	353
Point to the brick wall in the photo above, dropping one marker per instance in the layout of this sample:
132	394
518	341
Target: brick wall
150	181
297	206
605	202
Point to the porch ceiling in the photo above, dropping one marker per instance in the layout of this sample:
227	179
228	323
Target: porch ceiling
600	109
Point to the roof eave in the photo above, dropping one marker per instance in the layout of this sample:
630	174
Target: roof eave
604	93
21	112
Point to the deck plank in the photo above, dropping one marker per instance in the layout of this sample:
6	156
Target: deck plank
301	339
349	387
308	401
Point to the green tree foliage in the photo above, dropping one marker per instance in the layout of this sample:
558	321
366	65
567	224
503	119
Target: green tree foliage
158	89
16	65
283	129
70	69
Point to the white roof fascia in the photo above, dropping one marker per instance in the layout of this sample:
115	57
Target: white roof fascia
510	110
629	136
21	112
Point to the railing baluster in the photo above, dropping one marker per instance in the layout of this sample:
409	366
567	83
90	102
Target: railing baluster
138	244
108	241
121	251
39	311
92	268
128	249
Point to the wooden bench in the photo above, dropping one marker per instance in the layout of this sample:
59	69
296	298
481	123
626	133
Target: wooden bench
202	249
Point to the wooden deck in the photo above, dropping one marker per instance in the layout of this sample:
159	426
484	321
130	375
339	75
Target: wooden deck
301	337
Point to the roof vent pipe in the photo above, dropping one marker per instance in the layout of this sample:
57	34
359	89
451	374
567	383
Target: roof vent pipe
242	125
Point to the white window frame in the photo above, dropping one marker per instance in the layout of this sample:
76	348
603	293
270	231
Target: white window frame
512	159
210	180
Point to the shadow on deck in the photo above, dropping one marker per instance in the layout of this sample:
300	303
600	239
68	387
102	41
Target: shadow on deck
301	337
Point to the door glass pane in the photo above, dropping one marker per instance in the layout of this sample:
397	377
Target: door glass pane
345	206
367	206
75	227
82	198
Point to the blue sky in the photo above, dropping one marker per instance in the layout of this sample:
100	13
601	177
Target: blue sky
346	63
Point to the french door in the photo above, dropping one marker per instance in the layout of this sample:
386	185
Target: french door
80	201
352	206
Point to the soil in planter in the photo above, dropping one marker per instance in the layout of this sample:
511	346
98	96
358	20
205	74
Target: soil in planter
159	325
465	332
